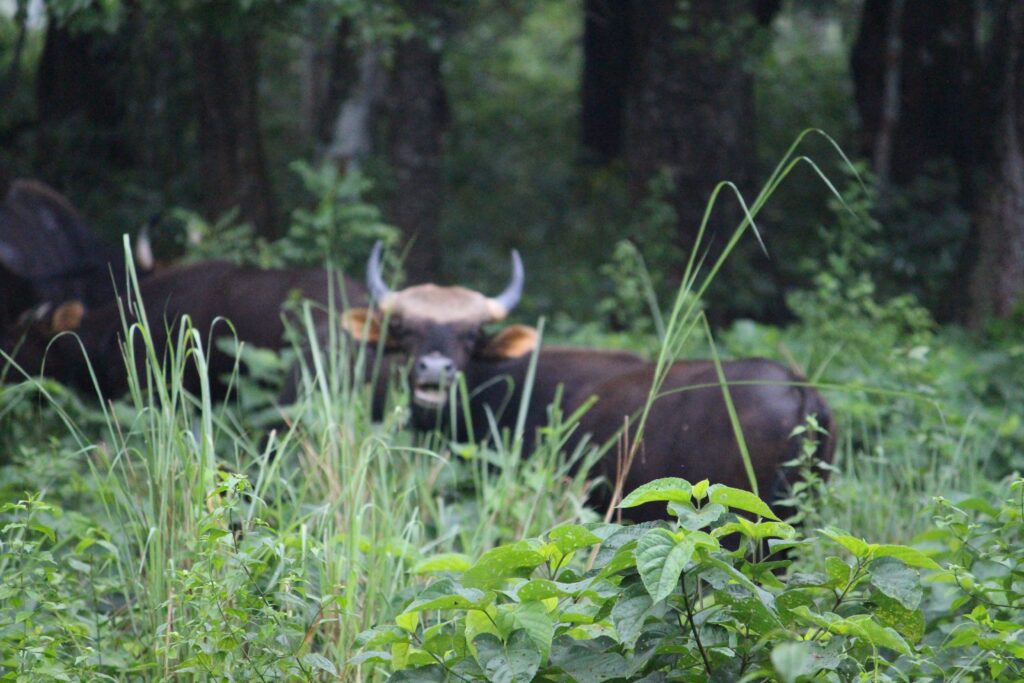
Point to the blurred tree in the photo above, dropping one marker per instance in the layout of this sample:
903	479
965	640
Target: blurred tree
81	99
690	100
607	34
913	66
418	116
225	60
997	283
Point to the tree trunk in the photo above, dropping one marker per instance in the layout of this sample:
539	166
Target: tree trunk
80	103
997	284
418	117
233	164
913	66
607	31
690	103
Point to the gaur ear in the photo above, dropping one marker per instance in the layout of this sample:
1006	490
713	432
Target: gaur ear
67	317
512	342
362	324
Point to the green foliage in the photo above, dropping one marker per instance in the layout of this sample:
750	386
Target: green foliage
337	229
671	603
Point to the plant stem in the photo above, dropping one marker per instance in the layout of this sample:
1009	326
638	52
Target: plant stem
693	626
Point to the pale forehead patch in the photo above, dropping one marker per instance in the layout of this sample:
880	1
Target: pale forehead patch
443	304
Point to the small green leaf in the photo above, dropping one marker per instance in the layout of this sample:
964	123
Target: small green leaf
660	559
700	489
540	589
908	556
533	618
514	662
699	519
320	662
445	562
570	537
792	660
629	613
909	623
501	563
858	547
445	594
838	572
897	580
408	621
668	489
738	499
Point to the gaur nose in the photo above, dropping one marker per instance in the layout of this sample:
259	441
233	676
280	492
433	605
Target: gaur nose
435	369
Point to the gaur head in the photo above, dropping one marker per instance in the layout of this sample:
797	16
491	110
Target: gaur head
439	329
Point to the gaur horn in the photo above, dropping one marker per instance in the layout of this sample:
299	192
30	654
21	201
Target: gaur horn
508	299
374	281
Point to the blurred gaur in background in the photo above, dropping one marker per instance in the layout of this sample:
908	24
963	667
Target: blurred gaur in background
221	299
49	254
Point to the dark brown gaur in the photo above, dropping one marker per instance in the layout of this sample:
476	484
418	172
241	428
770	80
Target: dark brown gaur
211	293
48	253
688	433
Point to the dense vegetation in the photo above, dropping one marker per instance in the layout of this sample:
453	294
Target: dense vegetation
165	535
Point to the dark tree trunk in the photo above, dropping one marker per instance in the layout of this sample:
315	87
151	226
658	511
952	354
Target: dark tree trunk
80	103
233	164
913	66
607	34
418	117
690	103
997	283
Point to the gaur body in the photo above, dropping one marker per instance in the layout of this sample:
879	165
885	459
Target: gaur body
211	293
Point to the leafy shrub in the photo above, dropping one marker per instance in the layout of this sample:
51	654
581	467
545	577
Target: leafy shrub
656	602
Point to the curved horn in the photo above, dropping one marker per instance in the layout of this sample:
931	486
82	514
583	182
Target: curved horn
374	281
508	299
144	249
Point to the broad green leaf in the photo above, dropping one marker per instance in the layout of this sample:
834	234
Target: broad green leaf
860	626
863	626
698	519
481	621
792	660
838	572
859	548
434	673
738	499
408	621
755	530
513	662
370	657
629	613
660	559
501	563
445	562
540	589
570	537
668	489
320	662
445	594
909	623
897	580
584	664
908	556
534	619
379	636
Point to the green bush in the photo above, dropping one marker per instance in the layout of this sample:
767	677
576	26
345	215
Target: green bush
600	602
